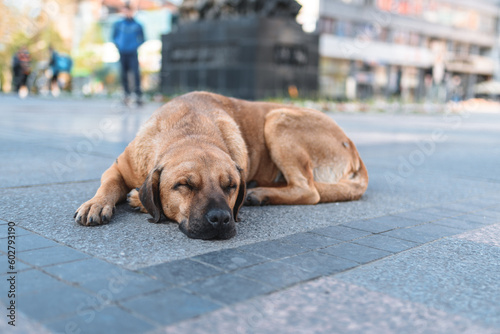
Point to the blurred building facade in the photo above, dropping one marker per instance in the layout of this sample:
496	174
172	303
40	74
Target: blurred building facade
420	49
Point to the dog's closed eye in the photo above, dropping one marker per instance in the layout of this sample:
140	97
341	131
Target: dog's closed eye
230	187
180	185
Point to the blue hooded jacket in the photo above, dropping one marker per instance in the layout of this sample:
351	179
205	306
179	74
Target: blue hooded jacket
128	35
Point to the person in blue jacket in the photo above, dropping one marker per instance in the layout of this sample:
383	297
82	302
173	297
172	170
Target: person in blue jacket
128	35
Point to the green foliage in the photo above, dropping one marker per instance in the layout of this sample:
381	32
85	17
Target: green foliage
87	58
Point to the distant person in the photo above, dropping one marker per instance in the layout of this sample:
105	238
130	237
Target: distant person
128	35
60	65
21	68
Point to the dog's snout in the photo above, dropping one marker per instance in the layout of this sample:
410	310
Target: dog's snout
218	217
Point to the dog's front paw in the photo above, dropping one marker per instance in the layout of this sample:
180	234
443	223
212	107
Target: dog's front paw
253	199
94	212
134	201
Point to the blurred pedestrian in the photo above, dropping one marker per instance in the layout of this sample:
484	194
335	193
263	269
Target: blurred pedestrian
128	35
456	91
61	65
21	68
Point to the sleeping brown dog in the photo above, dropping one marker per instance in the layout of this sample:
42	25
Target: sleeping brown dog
191	161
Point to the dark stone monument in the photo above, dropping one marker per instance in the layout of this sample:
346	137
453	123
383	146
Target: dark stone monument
250	49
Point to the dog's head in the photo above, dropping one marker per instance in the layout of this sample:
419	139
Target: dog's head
201	189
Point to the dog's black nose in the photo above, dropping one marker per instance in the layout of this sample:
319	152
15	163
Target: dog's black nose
218	217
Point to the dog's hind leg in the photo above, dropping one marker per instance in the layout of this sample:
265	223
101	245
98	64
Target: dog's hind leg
291	158
348	189
135	202
100	208
317	160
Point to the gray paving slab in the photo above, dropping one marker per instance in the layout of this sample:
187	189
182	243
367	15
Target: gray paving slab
181	272
461	206
108	320
369	226
479	218
494	209
273	249
309	240
33	281
382	224
14	265
230	259
457	223
442	212
170	306
319	264
33	241
386	243
397	222
277	274
483	202
423	233
50	304
453	275
341	233
84	270
50	256
354	252
328	305
489	213
119	285
18	232
229	288
420	215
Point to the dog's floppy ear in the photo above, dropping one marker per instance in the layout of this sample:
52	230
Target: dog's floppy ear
241	195
149	194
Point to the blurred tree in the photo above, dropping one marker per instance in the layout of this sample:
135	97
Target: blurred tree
88	56
30	27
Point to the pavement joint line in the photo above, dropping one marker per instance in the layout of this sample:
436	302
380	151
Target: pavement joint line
306	250
158	325
390	256
218	302
222	271
235	271
142	317
222	305
293	284
62	245
94	294
35	249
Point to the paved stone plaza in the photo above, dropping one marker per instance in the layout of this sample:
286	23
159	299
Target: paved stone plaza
419	253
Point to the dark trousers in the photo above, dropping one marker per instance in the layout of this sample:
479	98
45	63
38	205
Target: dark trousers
130	63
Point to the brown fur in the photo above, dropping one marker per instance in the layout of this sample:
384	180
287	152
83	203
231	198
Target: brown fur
192	158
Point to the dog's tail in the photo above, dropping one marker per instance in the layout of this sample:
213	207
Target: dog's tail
349	188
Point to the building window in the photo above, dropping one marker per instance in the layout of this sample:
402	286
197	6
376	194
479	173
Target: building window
414	39
461	50
474	50
401	37
344	29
